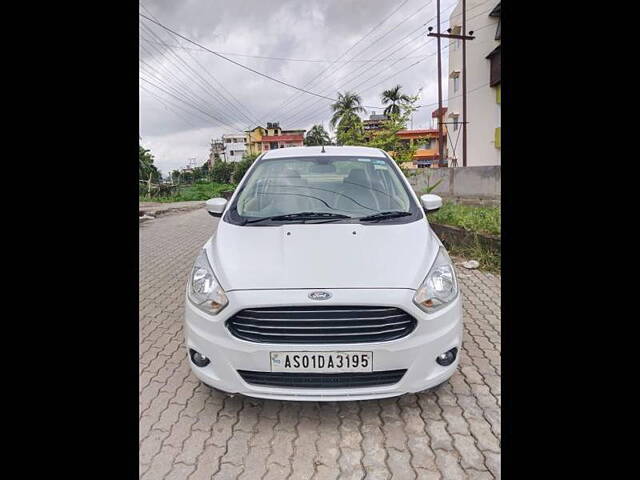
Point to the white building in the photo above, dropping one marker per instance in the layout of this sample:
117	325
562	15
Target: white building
483	83
235	146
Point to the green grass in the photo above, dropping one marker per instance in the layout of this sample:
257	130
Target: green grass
187	193
489	259
470	217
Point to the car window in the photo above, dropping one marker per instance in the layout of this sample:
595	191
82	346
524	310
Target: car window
350	186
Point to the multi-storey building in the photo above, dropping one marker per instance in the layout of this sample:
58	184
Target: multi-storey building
235	146
483	84
216	151
373	124
262	139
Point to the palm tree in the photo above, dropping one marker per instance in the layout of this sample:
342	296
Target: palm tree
346	109
145	162
317	135
396	98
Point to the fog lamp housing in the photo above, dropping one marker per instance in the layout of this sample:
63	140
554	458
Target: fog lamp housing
447	358
198	359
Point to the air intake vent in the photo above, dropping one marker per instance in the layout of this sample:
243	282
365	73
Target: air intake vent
321	325
322	380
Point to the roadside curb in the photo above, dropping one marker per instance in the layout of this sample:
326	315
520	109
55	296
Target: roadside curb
456	235
151	212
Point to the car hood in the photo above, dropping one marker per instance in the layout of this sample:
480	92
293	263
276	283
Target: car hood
307	256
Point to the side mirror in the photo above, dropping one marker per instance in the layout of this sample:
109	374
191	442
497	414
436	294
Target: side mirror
430	202
215	206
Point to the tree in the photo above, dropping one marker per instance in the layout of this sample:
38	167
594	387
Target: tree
317	135
350	132
146	168
345	111
396	98
241	168
222	172
387	138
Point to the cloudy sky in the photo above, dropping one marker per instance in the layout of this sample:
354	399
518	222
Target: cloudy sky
189	96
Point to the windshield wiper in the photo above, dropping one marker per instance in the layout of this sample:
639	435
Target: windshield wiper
384	215
301	216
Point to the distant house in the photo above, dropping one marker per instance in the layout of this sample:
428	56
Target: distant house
216	152
235	146
428	151
483	84
425	141
373	124
262	139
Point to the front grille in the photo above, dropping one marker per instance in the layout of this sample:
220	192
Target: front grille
316	325
322	380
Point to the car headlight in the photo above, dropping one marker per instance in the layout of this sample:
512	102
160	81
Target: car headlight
204	290
439	287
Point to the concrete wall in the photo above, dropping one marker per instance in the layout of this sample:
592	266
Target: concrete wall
470	183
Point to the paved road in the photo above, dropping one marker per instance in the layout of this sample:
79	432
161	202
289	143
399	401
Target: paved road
188	431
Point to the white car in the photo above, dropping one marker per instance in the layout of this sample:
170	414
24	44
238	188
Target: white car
323	281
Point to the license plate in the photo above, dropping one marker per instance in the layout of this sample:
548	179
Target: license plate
322	362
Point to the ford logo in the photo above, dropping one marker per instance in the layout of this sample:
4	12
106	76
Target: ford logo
319	295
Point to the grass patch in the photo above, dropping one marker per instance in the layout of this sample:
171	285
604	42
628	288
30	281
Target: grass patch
189	193
489	260
470	217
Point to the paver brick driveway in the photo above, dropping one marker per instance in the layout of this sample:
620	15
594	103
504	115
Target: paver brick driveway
188	431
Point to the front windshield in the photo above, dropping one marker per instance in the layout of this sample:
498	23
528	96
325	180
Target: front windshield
353	187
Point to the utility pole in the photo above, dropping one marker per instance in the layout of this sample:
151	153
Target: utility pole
440	133
464	84
464	39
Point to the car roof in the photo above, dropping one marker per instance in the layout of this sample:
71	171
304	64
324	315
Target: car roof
346	150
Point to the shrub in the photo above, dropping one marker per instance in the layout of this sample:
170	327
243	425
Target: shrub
222	172
241	168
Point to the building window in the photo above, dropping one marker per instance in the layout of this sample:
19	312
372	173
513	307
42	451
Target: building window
455	75
495	66
456	124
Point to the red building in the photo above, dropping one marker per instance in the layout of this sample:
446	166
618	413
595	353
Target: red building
284	140
428	147
262	139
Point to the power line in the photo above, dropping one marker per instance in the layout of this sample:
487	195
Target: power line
241	106
298	110
317	112
244	66
193	95
305	116
201	80
187	86
262	57
221	122
310	82
167	106
305	102
239	64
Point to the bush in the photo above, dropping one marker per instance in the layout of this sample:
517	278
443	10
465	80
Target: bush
469	217
187	193
241	168
222	172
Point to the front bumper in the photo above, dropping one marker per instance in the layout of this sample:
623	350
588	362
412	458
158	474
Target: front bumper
435	333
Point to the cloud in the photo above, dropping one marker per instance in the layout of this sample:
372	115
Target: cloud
237	98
